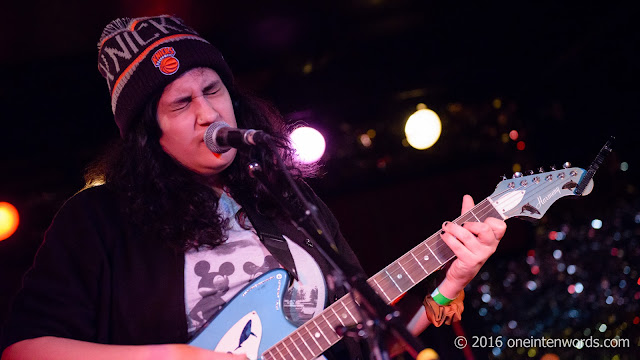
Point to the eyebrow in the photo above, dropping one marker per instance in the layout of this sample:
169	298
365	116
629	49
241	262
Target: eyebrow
213	84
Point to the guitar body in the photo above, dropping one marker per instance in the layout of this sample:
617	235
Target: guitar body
252	321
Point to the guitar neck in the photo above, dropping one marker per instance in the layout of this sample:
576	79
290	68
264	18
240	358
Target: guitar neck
318	334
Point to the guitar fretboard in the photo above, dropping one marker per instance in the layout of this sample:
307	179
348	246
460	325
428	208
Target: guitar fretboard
318	334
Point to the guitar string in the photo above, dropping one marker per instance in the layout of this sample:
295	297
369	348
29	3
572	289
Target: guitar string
329	327
345	304
411	266
479	211
536	191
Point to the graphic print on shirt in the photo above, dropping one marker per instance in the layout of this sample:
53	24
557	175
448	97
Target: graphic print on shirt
212	277
212	286
254	270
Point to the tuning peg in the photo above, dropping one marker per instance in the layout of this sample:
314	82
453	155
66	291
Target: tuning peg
517	174
540	169
553	167
504	177
530	172
566	165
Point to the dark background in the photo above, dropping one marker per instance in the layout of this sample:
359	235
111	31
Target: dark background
565	75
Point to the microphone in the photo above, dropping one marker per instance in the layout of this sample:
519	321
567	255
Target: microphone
220	137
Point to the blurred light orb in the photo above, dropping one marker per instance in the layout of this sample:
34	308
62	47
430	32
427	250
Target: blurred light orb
365	140
9	220
513	135
423	128
308	143
561	267
516	168
624	166
596	224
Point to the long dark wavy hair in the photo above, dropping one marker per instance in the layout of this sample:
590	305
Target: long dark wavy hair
167	201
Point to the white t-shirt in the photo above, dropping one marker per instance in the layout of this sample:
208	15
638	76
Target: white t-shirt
212	277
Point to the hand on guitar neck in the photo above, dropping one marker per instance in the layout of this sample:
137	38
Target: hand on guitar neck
473	243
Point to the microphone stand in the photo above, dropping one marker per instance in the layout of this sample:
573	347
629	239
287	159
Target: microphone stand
379	318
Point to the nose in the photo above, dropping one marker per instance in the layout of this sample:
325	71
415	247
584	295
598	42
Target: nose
205	112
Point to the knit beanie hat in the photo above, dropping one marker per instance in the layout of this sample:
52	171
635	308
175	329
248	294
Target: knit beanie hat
139	57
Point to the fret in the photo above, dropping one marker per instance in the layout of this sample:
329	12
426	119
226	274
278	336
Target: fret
311	352
268	355
313	336
393	280
426	273
319	333
399	276
434	255
286	348
444	252
294	345
355	320
474	215
281	354
407	268
381	292
330	327
429	262
337	316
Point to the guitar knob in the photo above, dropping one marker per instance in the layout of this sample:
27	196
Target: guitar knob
566	165
517	174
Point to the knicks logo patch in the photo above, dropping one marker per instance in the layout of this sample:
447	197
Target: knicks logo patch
165	60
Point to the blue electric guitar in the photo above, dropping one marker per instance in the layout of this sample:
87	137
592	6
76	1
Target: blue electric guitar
253	322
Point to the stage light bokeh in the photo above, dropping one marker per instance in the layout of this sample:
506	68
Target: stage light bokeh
9	220
423	128
308	143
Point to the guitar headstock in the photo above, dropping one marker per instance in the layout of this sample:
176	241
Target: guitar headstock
532	195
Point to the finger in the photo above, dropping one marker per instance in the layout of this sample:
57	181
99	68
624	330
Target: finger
462	234
455	245
499	227
467	203
481	231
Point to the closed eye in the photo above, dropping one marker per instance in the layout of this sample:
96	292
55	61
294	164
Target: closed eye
180	103
212	88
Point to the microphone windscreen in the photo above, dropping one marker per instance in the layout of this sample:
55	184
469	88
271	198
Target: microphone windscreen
210	138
